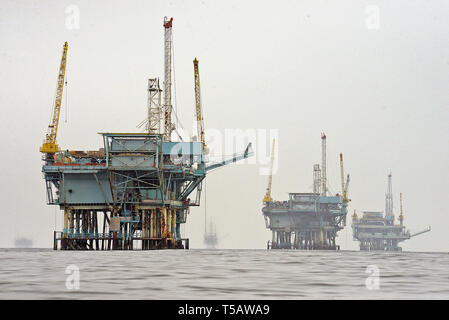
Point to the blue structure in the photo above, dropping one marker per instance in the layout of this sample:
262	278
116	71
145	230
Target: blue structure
138	184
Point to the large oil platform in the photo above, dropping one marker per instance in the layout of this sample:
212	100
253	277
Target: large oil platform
134	193
378	232
307	221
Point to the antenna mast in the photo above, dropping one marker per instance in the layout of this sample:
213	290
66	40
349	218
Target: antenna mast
389	201
323	165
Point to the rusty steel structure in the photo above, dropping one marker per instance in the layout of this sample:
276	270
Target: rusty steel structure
136	191
307	221
378	232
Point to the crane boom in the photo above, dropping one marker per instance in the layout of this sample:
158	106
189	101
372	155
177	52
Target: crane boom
389	199
198	108
344	187
236	157
420	232
50	145
347	185
267	197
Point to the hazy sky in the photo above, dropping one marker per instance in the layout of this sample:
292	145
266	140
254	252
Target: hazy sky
378	88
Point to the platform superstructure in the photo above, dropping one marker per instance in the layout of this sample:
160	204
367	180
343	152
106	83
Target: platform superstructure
136	191
307	221
376	231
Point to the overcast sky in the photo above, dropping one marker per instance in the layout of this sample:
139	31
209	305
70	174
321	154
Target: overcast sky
373	75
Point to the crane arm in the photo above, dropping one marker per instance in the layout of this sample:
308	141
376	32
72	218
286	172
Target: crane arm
236	157
50	145
347	185
344	187
420	232
401	216
198	108
268	197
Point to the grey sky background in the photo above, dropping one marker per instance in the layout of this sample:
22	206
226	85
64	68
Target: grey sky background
301	67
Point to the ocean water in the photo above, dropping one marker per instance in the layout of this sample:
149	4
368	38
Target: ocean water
222	274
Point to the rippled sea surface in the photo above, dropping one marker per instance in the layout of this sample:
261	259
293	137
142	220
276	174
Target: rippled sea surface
222	274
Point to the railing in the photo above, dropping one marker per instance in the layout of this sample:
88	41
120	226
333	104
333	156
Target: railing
87	236
278	204
74	164
70	241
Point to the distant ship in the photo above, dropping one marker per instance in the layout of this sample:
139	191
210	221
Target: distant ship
23	243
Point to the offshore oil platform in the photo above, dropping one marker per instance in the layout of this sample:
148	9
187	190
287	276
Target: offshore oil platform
307	221
23	242
210	237
378	232
134	193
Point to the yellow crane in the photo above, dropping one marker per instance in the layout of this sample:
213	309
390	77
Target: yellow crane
50	145
267	197
198	109
344	186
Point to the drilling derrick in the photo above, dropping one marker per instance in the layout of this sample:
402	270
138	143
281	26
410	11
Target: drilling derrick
135	192
378	232
307	221
168	38
389	216
323	165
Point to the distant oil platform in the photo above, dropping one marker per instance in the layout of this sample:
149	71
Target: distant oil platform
210	236
23	242
378	232
307	221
